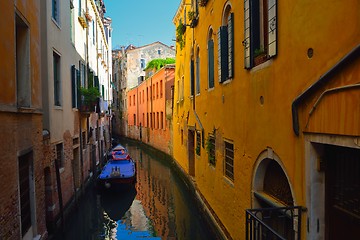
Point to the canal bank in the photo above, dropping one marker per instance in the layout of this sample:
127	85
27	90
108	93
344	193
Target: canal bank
210	218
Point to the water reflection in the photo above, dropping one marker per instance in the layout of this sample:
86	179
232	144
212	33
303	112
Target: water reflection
158	206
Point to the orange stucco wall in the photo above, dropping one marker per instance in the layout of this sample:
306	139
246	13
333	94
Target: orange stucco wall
148	112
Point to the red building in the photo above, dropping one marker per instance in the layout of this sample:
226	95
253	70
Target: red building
150	110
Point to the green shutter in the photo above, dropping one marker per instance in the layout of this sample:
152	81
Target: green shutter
223	54
230	29
247	27
192	78
197	74
219	54
73	86
78	84
272	27
211	63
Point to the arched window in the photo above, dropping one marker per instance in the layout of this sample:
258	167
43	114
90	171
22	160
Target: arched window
226	45
210	49
260	31
197	71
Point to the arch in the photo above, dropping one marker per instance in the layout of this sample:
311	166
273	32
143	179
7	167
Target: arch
226	12
268	165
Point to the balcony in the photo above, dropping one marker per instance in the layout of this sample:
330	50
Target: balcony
282	223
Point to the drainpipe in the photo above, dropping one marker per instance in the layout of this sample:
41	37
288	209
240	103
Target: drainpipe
353	54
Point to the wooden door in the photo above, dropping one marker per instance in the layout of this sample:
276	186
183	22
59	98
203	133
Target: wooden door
342	203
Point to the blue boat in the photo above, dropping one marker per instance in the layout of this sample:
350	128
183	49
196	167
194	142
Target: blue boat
119	170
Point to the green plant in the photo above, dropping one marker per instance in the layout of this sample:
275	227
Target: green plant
159	63
89	95
202	3
210	149
180	30
259	51
192	15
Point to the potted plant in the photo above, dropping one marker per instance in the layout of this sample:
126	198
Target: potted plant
180	30
202	3
260	56
193	18
89	97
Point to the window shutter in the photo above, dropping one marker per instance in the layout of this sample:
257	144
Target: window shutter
219	53
231	44
211	63
78	82
192	78
247	27
197	75
223	53
73	86
272	28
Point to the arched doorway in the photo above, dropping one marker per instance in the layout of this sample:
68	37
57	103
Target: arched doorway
274	214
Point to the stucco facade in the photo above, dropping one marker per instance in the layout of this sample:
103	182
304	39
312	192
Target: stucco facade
22	213
150	110
251	131
76	43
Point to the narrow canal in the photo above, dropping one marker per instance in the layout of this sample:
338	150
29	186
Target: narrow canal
158	206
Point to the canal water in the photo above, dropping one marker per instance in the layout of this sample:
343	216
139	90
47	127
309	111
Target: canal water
158	206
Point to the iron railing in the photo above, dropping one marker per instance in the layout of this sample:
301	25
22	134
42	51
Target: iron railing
282	223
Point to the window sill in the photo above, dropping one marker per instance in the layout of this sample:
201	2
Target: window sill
56	23
228	181
263	65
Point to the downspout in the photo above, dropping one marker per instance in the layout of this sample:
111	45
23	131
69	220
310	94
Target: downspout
194	102
353	54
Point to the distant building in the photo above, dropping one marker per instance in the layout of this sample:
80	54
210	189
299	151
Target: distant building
131	62
22	199
149	108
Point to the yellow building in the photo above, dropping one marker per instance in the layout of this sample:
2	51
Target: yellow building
267	111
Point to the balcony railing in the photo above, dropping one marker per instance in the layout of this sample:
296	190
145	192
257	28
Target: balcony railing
282	223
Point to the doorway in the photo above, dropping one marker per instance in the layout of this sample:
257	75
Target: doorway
342	192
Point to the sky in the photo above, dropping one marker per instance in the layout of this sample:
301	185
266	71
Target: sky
141	22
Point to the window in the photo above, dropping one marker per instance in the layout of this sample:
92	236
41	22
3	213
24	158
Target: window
192	78
161	88
74	86
93	31
134	119
60	155
198	143
210	59
25	162
229	160
260	31
162	120
157	120
72	28
57	83
198	71
226	47
210	148
159	51
79	13
130	100
153	91
82	74
55	10
23	63
142	63
157	90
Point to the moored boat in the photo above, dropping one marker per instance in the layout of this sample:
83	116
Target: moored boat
119	170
